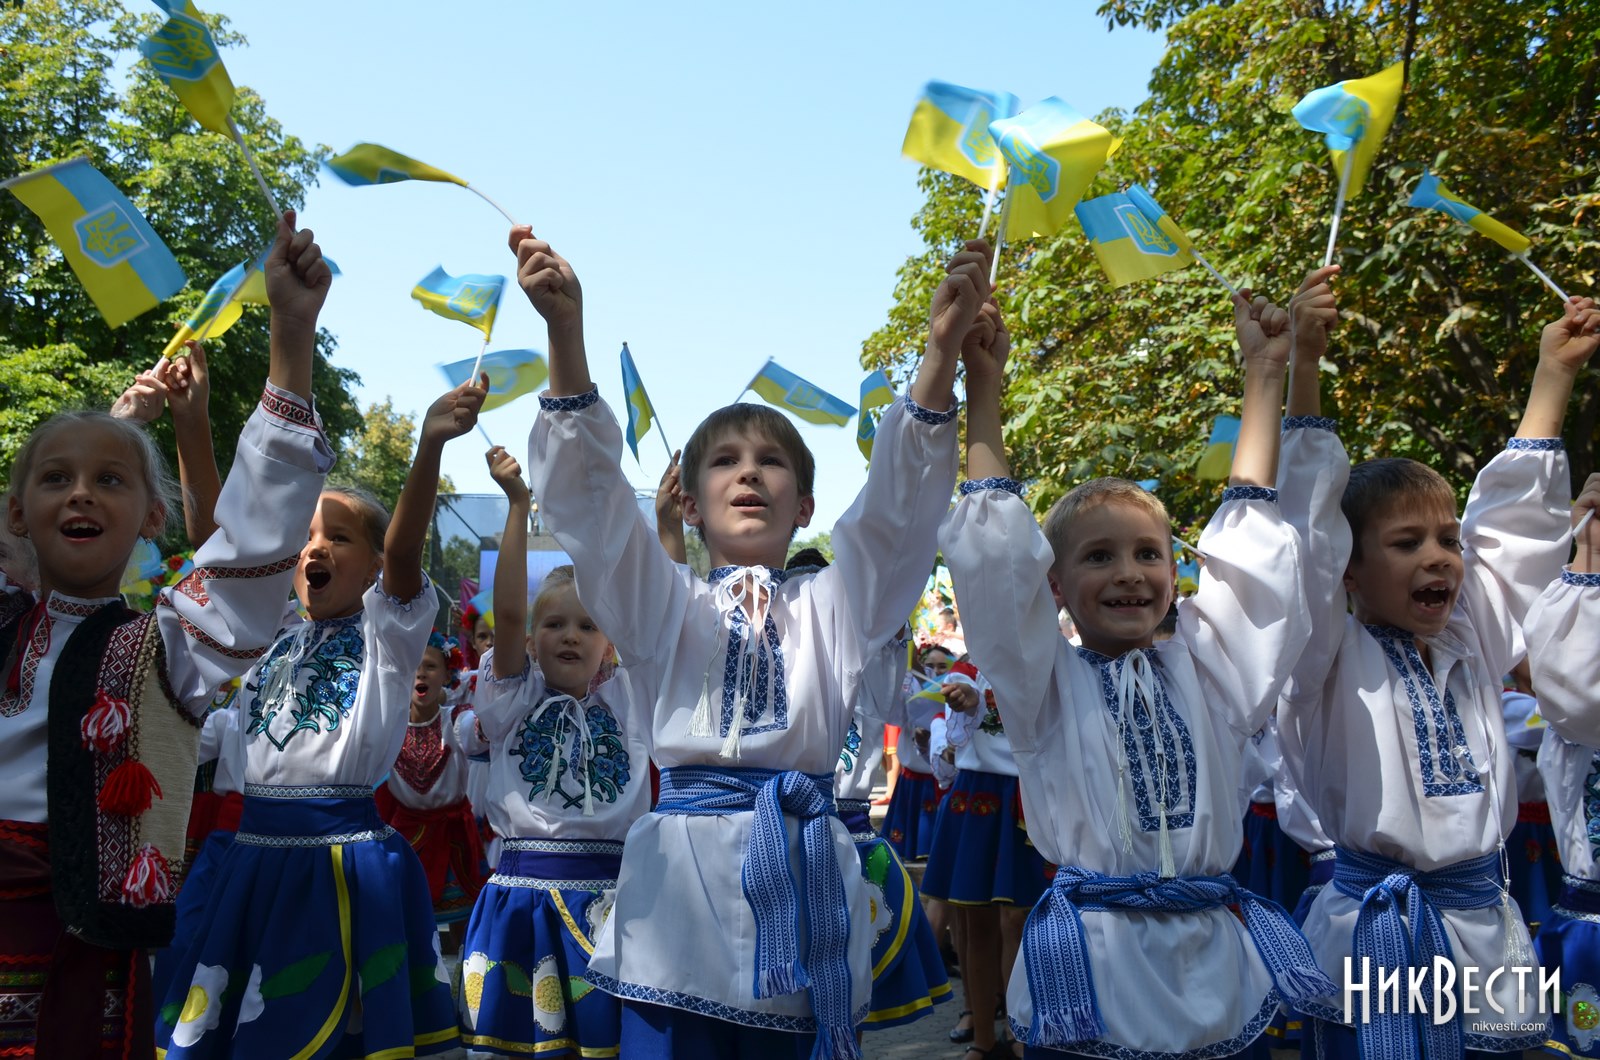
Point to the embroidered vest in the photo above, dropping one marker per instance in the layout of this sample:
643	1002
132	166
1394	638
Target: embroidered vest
115	862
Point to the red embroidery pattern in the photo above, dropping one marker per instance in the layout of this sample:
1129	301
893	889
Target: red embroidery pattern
115	832
289	411
423	755
193	585
195	633
37	646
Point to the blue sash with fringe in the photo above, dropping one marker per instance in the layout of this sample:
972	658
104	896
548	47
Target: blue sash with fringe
773	892
1066	1008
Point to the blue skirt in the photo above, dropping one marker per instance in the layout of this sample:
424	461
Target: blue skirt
315	900
981	852
1570	940
191	908
908	976
913	809
659	1032
1535	860
1270	863
528	946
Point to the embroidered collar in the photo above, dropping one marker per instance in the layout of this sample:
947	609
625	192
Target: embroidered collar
1390	632
1089	655
63	606
330	624
717	574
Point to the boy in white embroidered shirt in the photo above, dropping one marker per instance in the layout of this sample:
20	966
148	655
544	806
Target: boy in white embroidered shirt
754	678
1128	751
1391	724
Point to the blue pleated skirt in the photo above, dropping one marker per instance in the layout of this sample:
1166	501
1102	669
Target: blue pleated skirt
1534	857
1569	939
198	882
528	945
316	940
1270	863
981	852
913	810
908	976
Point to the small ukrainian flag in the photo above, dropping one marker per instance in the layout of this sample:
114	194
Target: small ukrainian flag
1054	153
1431	195
1133	237
949	131
473	299
641	414
1217	462
781	387
221	308
1354	116
375	164
512	374
184	54
875	393
118	257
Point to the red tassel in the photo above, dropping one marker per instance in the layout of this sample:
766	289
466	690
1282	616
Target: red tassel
128	789
149	880
106	723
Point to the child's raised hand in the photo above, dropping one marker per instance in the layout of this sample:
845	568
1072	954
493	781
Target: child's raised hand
1313	311
1262	328
456	412
143	401
507	473
959	696
669	494
547	279
1572	340
960	297
297	276
986	347
189	382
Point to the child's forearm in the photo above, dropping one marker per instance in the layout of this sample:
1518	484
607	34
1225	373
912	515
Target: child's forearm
197	470
293	344
934	385
1255	456
569	363
408	529
511	591
1547	400
1305	387
986	447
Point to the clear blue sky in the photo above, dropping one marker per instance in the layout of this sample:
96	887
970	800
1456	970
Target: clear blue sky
725	178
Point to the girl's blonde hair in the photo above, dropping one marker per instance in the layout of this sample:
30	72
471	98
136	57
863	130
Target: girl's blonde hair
559	580
165	492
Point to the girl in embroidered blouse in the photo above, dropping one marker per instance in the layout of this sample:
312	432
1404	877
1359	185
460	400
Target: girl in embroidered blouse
319	937
568	775
94	850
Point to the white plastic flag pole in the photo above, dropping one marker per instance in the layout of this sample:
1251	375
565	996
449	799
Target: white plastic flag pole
476	365
1201	258
1338	204
988	199
1577	531
1548	282
1000	239
249	156
503	211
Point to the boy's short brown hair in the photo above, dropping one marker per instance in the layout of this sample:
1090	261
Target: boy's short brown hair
747	418
1092	494
1378	487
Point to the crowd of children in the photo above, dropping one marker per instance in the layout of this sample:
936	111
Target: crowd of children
1115	827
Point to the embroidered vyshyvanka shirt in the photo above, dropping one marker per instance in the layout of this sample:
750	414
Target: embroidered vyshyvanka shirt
674	639
1564	650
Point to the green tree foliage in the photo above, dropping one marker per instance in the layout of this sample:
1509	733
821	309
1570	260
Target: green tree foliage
379	457
1440	335
72	84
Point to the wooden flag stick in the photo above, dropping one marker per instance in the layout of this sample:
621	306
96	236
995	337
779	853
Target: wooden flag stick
1338	204
1548	282
250	157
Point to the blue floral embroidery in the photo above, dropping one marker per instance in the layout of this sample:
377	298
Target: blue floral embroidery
765	675
323	686
608	765
1310	423
1140	748
1442	773
1537	445
977	485
852	748
574	403
1250	493
1591	806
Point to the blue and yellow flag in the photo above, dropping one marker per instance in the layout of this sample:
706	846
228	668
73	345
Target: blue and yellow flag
512	374
118	257
1133	237
185	55
1431	195
376	164
472	299
641	414
1217	461
221	308
1054	153
1354	115
875	393
949	131
781	387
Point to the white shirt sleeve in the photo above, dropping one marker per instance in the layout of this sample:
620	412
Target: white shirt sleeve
219	619
1564	653
1313	470
502	701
